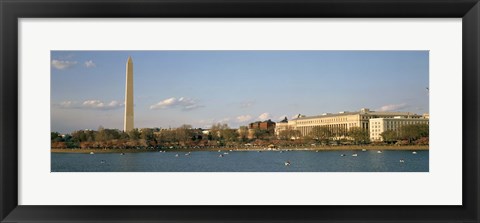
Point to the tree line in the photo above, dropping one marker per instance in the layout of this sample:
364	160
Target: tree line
408	134
221	135
185	136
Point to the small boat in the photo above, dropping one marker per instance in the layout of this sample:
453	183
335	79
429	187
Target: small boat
176	155
102	161
225	153
402	161
281	151
354	154
220	155
91	153
363	150
342	155
287	163
316	151
122	154
187	154
414	152
379	151
219	151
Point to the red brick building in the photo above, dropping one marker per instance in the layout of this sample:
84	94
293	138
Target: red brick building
265	125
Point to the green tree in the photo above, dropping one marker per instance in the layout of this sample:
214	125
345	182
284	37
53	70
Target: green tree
243	133
261	134
83	136
123	135
100	134
167	136
133	134
111	134
289	134
214	133
147	134
229	135
389	136
184	133
320	133
90	134
216	130
55	137
358	135
414	132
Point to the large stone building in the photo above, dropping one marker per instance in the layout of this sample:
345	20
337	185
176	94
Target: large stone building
379	125
339	123
281	126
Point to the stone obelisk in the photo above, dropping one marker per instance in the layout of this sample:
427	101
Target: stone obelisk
128	119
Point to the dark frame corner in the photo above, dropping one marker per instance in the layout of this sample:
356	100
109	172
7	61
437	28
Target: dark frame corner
12	10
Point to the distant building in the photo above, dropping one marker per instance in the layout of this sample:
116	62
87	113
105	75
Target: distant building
265	125
268	126
339	123
281	126
426	115
379	125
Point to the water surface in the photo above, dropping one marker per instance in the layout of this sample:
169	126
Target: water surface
243	161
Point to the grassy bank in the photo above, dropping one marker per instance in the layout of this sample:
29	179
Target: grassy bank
319	148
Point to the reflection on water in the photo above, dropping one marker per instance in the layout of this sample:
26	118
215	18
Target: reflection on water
237	161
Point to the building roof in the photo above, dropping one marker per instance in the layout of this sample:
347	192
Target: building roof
401	118
327	115
266	121
285	120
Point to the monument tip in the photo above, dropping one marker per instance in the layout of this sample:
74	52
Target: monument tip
129	59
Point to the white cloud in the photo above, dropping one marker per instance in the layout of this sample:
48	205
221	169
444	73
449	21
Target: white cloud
91	104
264	116
185	104
164	104
90	64
67	104
97	104
393	107
244	118
63	64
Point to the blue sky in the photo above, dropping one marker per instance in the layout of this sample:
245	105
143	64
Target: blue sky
200	88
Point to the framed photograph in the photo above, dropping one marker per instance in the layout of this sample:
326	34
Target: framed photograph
239	111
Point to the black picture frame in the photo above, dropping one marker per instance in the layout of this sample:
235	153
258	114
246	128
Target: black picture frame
11	11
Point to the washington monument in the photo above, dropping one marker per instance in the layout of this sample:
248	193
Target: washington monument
128	119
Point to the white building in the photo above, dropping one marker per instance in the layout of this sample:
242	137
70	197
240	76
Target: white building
380	125
341	122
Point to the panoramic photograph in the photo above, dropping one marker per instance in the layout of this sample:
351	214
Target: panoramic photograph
239	111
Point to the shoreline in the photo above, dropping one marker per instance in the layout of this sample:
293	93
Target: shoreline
315	148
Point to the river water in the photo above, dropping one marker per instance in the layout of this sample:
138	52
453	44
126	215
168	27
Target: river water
244	161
